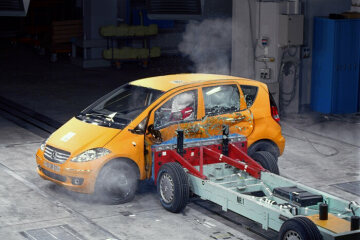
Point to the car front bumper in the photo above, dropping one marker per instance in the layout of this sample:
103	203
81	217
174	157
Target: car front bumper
74	179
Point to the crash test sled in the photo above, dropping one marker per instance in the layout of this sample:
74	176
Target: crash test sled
219	170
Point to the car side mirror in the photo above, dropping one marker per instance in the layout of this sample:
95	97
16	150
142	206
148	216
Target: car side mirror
137	131
156	134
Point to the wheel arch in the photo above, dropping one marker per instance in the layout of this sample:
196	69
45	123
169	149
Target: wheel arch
130	161
264	145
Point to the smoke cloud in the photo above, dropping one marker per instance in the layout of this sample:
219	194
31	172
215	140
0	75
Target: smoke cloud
208	45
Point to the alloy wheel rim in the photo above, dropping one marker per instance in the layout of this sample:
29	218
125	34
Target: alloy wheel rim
292	235
119	185
166	188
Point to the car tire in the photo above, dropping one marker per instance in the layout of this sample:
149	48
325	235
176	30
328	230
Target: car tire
267	161
299	228
173	187
266	146
117	182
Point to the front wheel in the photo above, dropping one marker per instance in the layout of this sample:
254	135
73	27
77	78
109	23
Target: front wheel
299	228
173	187
117	182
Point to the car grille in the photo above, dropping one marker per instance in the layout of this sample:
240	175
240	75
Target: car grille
55	155
53	175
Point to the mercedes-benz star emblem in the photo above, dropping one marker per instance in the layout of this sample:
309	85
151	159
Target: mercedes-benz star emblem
53	154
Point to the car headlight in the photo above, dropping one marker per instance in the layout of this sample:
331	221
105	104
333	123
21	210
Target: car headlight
43	144
91	154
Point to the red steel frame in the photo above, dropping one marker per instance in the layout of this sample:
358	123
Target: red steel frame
200	156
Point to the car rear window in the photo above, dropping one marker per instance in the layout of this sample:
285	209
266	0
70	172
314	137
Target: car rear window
272	100
250	93
221	99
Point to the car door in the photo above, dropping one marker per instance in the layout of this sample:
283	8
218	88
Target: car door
179	111
224	104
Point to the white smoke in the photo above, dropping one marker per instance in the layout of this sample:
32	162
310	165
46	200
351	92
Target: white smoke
208	45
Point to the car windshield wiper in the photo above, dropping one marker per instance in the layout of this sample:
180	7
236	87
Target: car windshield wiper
108	119
96	115
101	116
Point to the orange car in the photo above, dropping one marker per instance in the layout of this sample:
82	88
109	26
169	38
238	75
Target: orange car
106	149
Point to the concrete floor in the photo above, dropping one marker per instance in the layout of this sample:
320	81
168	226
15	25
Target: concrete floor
320	151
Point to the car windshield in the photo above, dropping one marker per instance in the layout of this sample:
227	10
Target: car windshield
118	108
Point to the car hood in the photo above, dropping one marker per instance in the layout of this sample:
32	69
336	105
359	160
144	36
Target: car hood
77	136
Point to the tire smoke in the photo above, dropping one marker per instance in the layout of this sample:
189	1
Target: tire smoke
208	45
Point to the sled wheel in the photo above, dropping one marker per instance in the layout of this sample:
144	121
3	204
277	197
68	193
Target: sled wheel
173	187
299	228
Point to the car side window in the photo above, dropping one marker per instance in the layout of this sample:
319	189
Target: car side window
221	99
180	108
250	93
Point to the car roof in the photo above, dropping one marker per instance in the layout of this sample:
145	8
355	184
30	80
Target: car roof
168	82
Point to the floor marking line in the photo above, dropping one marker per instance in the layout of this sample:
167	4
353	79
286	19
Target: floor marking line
19	144
70	232
50	233
27	223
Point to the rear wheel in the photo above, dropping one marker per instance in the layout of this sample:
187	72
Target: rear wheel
299	228
173	187
266	146
117	182
266	160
